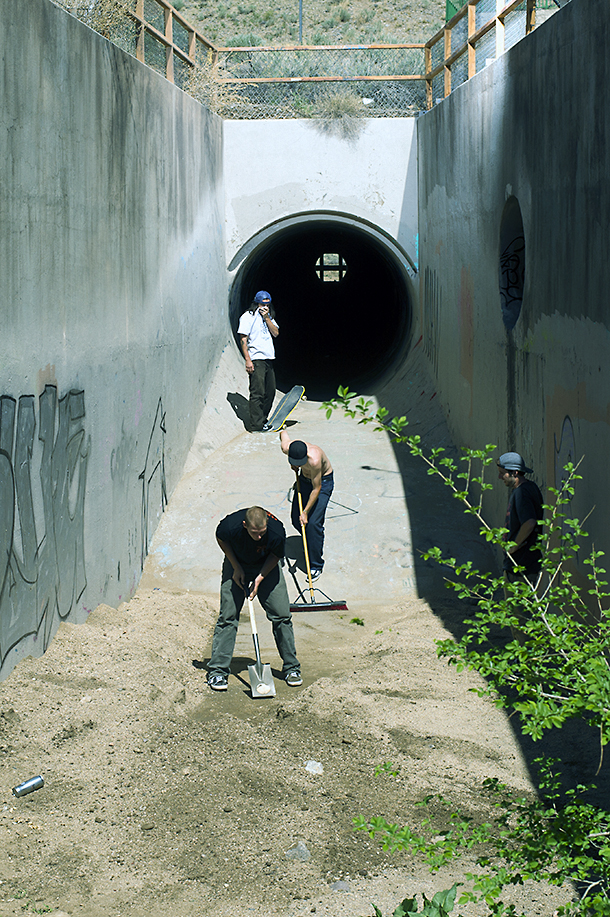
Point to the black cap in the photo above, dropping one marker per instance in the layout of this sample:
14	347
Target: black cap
297	454
512	461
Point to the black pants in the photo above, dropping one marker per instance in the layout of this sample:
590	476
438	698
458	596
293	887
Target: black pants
314	530
262	392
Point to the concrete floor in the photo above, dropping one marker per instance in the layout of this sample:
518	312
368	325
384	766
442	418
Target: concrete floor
384	502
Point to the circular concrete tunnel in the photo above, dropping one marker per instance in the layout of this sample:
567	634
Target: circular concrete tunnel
342	300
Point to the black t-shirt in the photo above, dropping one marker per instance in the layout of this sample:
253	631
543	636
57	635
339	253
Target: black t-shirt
249	552
525	503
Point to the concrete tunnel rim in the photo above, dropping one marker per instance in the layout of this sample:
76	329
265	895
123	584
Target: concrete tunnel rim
401	258
333	216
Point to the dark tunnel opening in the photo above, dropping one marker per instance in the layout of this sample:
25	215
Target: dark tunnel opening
342	302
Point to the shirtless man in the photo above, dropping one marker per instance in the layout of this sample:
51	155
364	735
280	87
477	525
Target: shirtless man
316	485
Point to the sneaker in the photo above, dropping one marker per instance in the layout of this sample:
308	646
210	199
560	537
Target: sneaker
218	682
316	574
293	679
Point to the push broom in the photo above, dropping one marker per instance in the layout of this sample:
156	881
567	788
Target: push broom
301	603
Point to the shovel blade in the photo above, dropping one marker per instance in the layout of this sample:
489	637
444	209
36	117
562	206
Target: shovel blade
261	680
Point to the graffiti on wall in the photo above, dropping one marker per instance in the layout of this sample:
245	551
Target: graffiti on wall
152	476
431	309
42	557
512	279
565	450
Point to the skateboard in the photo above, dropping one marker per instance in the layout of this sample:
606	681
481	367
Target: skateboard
285	408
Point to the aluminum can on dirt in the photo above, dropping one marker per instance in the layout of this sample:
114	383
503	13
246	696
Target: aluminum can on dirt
34	783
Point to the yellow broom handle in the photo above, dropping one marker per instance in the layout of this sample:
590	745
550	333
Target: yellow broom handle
304	538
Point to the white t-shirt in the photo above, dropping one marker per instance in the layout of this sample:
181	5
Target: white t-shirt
260	339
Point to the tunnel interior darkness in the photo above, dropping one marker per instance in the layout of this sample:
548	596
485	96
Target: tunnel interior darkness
342	303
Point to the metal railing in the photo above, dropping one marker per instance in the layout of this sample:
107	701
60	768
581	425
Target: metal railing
380	80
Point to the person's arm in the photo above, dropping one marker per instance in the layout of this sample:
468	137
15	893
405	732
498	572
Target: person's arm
243	342
238	571
269	322
285	441
523	534
270	564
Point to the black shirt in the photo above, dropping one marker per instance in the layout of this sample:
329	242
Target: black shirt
525	503
249	552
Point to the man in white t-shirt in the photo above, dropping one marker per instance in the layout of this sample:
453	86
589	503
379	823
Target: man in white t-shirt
256	331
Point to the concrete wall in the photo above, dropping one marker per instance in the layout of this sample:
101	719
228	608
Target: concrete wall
276	169
535	127
113	302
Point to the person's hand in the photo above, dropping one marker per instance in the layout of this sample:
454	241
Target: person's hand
239	577
264	311
255	585
249	367
303	518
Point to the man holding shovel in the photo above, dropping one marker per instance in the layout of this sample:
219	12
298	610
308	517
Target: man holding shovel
252	541
315	481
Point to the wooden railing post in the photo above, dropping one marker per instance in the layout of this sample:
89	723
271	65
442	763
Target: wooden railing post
428	70
140	30
447	68
169	50
472	27
499	30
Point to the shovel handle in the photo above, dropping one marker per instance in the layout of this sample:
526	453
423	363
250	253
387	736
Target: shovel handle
257	648
307	564
252	618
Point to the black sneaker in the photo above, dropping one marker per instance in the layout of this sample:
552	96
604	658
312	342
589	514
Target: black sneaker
316	574
218	682
293	679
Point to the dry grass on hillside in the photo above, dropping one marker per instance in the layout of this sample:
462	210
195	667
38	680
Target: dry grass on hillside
261	22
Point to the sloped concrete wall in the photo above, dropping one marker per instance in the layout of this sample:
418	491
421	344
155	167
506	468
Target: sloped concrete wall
113	303
533	128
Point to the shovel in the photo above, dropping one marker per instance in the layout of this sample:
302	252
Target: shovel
261	679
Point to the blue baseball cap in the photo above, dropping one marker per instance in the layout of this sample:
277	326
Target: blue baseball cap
262	296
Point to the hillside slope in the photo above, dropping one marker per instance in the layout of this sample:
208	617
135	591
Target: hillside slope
259	22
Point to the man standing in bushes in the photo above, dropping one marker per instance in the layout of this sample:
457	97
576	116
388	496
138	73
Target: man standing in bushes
523	514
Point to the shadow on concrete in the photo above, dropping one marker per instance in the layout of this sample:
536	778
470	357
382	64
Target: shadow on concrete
240	406
294	555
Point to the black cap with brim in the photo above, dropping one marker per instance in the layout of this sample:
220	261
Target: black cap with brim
297	454
512	461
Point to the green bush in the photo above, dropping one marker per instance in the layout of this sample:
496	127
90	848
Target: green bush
554	669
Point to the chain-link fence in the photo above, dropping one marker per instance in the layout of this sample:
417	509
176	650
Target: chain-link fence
324	81
340	83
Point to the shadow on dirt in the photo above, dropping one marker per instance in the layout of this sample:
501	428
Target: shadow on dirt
437	519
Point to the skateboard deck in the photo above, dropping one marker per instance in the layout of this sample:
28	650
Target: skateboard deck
285	408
